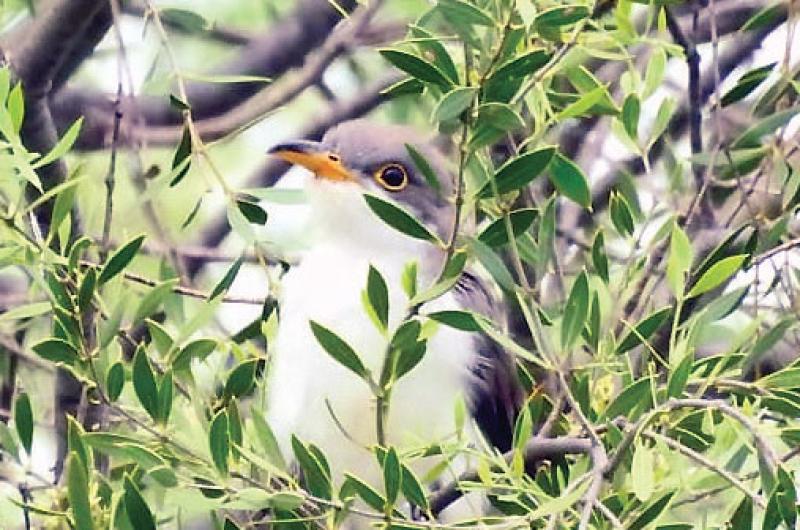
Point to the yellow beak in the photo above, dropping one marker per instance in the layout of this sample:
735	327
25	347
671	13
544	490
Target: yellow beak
314	157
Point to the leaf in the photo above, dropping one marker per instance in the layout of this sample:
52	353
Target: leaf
266	438
424	167
561	16
354	485
461	320
742	518
764	17
56	350
752	136
34	309
494	120
576	311
454	103
62	146
518	172
628	400
188	21
139	515
583	104
621	216
315	474
630	116
252	212
151	301
409	358
23	420
164	397
78	493
493	264
227	280
416	67
115	380
495	235
242	379
429	44
178	104
599	257
680	260
181	161
786	378
338	349
86	291
392	477
679	376
218	441
403	87
120	259
642	469
504	82
570	181
643	330
144	382
651	513
398	218
378	296
200	349
655	72
460	13
746	84
717	274
16	107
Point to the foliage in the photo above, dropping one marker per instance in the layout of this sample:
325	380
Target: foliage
641	344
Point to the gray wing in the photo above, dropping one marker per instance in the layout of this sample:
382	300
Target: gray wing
495	394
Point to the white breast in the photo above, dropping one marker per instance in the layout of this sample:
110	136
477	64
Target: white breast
304	381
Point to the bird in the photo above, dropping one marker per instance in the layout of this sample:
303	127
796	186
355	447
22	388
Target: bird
315	398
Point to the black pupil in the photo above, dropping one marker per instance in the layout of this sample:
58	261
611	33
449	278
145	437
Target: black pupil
394	176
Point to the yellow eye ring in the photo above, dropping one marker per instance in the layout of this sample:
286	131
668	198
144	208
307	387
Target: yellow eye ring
392	177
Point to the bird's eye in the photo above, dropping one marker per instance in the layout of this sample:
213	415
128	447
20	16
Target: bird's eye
333	158
393	177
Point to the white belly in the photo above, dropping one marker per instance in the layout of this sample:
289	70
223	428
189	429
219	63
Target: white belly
304	381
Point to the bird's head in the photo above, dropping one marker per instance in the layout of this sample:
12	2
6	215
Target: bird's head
360	156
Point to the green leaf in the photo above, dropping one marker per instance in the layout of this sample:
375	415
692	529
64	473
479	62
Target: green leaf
627	401
355	486
338	349
655	72
139	514
599	257
416	67
378	296
151	301
493	264
752	136
679	376
25	311
242	379
764	17
494	120
570	181
23	420
413	490
115	380
409	358
495	235
188	21
56	350
424	167
62	146
680	260
429	44
182	159
200	349
86	291
503	84
663	116
742	518
454	103
227	280
16	107
561	16
717	274
643	330
164	398
642	475
315	474
583	104
120	259
787	378
144	382
266	439
518	172
392	477
621	216
449	277
402	88
630	116
462	320
252	212
746	84
576	311
78	493
651	513
219	441
398	218
460	13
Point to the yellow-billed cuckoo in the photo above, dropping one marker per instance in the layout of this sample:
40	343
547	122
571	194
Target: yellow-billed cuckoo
313	396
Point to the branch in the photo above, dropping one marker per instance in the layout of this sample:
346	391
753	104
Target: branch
535	450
